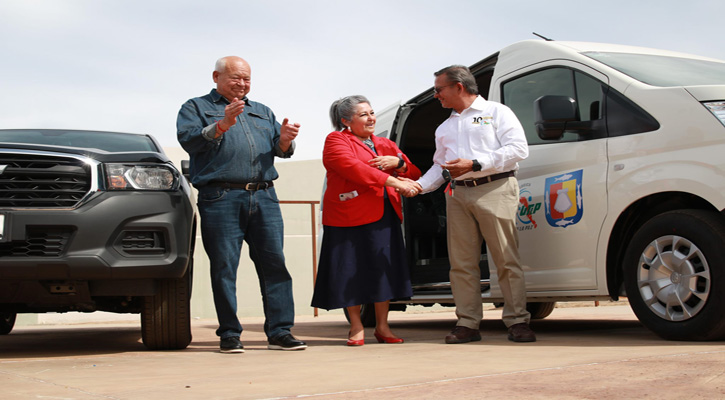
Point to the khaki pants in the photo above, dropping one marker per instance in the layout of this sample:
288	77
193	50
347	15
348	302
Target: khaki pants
485	212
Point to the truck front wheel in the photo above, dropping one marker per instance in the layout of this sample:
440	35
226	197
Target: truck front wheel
674	275
166	317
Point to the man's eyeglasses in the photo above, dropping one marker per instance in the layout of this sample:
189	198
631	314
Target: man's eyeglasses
438	89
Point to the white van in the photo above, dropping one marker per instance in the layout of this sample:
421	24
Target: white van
623	192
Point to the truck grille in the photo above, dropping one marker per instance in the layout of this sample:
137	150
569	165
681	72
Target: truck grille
38	243
143	242
40	181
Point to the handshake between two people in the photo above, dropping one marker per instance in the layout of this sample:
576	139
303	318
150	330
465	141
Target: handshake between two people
451	170
407	187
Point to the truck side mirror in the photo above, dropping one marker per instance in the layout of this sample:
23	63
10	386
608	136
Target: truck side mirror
185	168
552	114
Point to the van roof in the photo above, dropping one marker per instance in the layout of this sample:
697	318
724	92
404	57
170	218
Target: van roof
581	47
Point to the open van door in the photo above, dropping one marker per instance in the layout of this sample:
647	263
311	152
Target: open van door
386	120
425	221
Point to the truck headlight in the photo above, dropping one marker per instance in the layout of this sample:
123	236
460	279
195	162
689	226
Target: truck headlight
141	177
718	109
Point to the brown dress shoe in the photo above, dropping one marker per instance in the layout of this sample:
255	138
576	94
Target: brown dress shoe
461	334
521	333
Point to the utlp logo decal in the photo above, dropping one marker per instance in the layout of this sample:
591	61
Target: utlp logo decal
527	209
563	199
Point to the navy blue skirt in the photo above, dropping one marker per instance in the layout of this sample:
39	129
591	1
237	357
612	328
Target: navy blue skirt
362	264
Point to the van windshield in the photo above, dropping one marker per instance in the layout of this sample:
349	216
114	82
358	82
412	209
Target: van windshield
664	70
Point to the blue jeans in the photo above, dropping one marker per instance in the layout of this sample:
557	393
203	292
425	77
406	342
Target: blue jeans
228	218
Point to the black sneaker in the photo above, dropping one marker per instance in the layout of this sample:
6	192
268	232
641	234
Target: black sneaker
286	341
231	345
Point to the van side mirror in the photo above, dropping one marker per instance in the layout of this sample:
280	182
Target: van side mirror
552	114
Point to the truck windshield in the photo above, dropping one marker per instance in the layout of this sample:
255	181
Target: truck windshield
664	70
112	142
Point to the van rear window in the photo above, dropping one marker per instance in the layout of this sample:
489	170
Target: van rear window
664	71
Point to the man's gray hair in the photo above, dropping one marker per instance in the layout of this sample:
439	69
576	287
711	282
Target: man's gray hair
220	65
345	108
460	74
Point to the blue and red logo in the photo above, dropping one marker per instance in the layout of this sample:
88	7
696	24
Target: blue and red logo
563	199
527	209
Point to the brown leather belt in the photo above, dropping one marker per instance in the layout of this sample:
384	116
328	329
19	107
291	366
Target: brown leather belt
485	179
251	186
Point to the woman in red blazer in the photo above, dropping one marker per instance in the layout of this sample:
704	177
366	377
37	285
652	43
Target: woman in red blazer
363	258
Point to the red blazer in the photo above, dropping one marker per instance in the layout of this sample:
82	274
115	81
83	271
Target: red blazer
346	159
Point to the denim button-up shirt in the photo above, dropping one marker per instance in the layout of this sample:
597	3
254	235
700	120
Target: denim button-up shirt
245	153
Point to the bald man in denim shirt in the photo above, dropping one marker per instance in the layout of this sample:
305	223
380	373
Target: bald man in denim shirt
232	142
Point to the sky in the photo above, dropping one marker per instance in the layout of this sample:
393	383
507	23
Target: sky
129	65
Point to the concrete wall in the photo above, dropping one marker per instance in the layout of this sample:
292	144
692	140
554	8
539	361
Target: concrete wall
298	181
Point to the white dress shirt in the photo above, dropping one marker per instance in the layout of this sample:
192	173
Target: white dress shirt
486	131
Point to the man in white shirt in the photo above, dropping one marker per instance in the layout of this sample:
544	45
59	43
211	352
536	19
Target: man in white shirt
479	147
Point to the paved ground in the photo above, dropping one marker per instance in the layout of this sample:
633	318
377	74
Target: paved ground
582	353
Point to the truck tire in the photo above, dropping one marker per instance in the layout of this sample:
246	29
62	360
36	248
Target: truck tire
165	318
367	315
674	275
7	322
540	310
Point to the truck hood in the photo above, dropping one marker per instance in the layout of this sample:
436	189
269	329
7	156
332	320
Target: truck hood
96	154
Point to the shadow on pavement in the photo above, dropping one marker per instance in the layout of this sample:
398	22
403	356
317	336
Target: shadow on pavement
72	340
99	339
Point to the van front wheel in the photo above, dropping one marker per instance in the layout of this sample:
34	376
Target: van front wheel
540	310
674	275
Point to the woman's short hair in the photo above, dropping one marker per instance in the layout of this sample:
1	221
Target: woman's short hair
460	74
345	108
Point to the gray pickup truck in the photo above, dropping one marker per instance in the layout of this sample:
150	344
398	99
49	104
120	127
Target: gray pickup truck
95	221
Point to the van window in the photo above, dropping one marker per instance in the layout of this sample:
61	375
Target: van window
624	117
520	93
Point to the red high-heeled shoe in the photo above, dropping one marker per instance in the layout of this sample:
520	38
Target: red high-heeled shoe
384	339
355	342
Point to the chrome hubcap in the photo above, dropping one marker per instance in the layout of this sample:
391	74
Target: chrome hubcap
673	278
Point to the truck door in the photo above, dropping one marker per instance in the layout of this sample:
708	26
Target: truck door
563	196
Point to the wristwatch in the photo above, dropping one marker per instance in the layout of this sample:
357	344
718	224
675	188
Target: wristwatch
401	162
476	166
